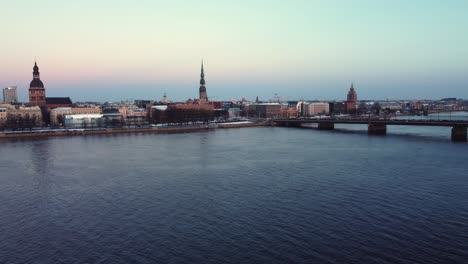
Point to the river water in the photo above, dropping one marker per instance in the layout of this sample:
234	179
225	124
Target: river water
251	195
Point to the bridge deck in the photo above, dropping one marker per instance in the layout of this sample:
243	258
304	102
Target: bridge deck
407	122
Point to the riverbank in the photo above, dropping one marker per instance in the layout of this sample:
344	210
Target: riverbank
110	131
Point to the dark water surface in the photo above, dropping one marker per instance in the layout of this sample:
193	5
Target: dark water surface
253	195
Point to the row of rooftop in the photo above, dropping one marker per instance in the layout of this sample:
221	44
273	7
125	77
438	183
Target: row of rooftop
54	111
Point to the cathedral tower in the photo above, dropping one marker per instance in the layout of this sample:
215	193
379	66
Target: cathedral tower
36	89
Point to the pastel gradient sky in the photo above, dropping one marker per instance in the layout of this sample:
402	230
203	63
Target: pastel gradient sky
116	49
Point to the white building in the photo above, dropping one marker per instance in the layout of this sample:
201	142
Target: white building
395	106
57	114
83	120
234	113
311	109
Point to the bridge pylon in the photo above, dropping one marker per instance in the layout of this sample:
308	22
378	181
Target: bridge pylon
377	129
326	126
459	134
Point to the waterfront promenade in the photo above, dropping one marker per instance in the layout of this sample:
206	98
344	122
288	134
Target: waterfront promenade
109	131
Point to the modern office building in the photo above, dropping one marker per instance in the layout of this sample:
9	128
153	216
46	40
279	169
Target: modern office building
10	95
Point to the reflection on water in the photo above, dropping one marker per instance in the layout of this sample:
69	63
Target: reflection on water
256	195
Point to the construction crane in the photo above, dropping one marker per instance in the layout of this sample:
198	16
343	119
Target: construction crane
276	98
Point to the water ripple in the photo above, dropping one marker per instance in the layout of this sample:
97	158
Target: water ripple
279	196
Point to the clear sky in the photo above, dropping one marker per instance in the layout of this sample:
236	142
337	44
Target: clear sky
117	49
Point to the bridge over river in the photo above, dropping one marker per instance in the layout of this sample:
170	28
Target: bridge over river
379	126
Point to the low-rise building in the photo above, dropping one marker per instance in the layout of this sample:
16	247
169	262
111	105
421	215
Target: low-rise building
289	112
57	114
83	120
86	110
133	115
24	117
112	120
337	108
311	109
266	110
3	116
391	106
157	114
234	112
186	113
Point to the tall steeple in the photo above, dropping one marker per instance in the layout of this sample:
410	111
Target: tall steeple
203	98
202	75
351	102
352	96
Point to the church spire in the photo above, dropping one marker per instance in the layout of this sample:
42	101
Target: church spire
202	75
203	98
35	71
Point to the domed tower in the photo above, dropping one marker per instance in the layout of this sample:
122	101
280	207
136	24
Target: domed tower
203	99
36	89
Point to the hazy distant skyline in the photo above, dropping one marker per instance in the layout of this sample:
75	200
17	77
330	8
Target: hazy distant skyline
115	50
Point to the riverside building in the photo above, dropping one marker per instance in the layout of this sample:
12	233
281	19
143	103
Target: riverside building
57	114
3	116
83	120
266	110
312	109
25	116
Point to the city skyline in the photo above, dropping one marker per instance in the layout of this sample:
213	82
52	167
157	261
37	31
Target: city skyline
301	50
